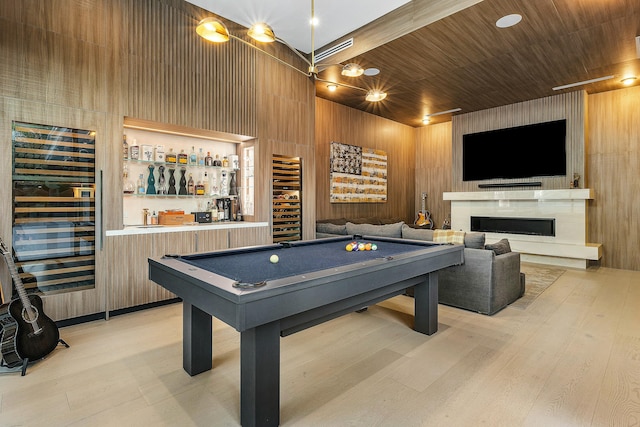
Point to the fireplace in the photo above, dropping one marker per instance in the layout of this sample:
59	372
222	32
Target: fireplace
529	226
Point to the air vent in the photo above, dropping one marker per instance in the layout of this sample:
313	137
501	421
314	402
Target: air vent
333	50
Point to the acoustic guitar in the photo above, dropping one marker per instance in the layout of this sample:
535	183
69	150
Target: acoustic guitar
27	333
423	218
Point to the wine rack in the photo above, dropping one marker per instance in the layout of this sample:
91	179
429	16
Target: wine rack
54	207
287	198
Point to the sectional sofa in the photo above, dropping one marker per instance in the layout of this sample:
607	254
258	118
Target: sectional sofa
487	281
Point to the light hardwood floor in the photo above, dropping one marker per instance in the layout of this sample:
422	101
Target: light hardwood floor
572	358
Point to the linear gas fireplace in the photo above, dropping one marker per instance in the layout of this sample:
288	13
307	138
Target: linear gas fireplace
530	226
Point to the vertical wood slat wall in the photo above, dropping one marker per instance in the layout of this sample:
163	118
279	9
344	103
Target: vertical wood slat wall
570	106
337	123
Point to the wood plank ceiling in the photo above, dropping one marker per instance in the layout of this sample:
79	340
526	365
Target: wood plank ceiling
465	61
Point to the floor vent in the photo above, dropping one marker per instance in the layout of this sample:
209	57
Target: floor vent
334	49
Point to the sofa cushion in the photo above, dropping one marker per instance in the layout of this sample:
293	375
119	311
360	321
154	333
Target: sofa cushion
387	230
416	233
474	240
448	236
500	247
328	228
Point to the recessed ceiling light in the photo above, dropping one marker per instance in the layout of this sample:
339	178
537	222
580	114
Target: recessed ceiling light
332	88
627	81
508	20
371	72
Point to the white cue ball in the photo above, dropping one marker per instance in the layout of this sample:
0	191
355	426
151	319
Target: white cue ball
274	259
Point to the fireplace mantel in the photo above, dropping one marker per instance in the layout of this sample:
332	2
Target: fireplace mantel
567	207
568	194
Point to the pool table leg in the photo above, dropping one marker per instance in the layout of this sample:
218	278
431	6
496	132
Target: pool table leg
426	305
196	339
260	375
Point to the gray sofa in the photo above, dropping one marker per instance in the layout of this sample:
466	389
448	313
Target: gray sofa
488	281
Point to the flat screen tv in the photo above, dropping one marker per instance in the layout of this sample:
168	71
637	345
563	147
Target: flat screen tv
514	153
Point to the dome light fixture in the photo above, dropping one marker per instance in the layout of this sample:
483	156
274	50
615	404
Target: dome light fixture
375	95
262	32
213	30
352	70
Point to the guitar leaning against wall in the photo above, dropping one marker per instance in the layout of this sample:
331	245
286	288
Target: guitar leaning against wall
27	334
423	218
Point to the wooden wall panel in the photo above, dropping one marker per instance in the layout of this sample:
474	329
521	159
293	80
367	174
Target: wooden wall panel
143	60
433	170
285	126
337	123
570	106
613	161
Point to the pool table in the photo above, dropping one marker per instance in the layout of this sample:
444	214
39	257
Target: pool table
312	282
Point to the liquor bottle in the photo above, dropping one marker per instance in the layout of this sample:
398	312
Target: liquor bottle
217	161
191	188
206	183
200	158
183	159
214	184
214	212
225	162
224	184
125	147
171	157
208	161
151	181
199	188
134	150
193	157
140	185
127	185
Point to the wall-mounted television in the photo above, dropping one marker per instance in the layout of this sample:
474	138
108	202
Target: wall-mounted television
513	153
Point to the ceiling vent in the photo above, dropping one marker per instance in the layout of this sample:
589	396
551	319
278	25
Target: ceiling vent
334	49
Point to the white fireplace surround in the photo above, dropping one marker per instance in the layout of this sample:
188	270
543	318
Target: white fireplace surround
568	207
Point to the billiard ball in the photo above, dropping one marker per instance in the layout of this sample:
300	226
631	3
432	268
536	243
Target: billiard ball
374	247
274	259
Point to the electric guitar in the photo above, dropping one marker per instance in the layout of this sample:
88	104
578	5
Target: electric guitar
423	218
27	334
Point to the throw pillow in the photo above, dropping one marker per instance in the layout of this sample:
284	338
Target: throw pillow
388	230
416	233
449	236
499	247
474	240
329	228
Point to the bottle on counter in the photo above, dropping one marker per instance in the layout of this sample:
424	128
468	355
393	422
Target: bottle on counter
125	147
191	188
208	160
193	157
183	158
154	218
214	212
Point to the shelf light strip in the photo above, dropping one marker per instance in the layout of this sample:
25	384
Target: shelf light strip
599	79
